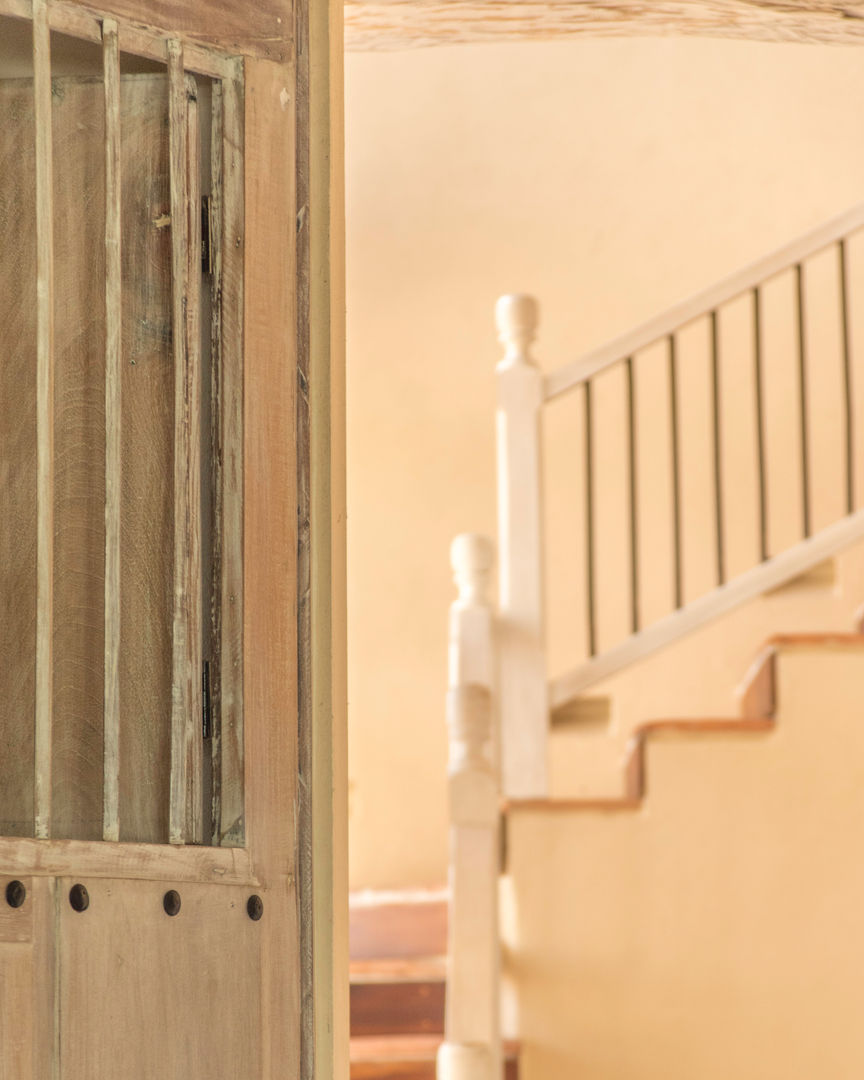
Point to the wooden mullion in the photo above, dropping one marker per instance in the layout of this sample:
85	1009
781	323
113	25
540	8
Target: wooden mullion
113	413
227	337
184	823
44	418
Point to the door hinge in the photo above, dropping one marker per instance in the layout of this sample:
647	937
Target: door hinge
206	705
206	239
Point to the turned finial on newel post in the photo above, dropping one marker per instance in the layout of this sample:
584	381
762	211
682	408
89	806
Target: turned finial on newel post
516	317
472	557
523	711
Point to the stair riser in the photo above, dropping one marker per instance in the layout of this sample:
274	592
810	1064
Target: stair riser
401	1008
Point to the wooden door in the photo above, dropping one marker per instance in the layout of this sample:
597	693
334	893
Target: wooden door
149	922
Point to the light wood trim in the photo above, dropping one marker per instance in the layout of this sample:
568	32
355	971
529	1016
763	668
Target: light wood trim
86	24
192	450
746	587
379	25
113	455
321	509
44	417
677	316
149	862
227	338
208	58
185	811
270	536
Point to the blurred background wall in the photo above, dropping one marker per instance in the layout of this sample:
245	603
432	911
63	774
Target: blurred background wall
608	178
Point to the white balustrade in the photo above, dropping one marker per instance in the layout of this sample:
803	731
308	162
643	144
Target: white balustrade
472	1046
523	691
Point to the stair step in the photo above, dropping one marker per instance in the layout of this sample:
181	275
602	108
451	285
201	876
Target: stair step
409	1057
757	693
398	925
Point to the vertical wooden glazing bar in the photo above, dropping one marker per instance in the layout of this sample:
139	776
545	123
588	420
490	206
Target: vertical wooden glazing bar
195	610
802	399
44	416
676	472
847	377
226	238
760	423
186	648
634	504
589	526
113	478
718	450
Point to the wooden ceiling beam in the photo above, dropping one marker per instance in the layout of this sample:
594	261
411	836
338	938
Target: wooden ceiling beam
382	25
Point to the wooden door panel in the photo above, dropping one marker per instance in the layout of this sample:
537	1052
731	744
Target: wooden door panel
123	988
146	526
147	423
17	459
143	994
78	125
26	974
16	1011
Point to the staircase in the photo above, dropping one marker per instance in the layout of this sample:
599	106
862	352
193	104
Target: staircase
653	929
706	923
398	971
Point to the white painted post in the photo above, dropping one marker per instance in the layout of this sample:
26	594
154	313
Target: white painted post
523	692
472	1046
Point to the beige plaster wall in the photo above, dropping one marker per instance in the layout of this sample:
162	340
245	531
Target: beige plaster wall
714	933
608	178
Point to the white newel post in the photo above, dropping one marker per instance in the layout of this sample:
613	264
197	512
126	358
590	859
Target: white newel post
523	689
472	1046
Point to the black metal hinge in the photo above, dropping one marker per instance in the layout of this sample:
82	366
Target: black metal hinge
206	244
206	707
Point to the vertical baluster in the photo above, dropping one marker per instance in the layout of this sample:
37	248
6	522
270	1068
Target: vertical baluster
113	361
632	482
472	1045
524	702
590	574
847	377
760	423
802	398
185	812
676	471
44	417
718	449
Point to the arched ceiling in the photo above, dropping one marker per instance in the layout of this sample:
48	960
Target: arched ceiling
399	24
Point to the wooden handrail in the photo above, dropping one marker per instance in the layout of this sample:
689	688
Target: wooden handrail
702	303
747	586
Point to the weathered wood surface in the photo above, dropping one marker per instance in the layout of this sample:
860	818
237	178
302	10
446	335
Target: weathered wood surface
79	433
113	427
270	545
45	357
398	24
146	862
261	29
147	463
227	224
180	996
79	440
17	457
